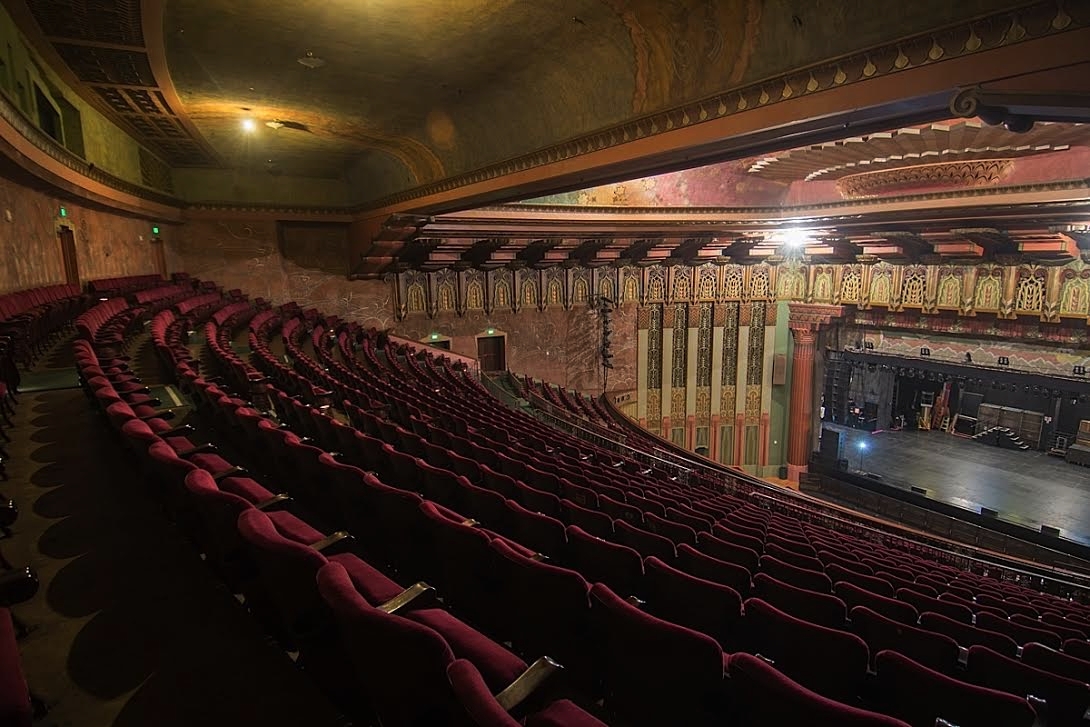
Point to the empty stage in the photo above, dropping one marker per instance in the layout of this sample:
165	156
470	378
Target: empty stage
1026	487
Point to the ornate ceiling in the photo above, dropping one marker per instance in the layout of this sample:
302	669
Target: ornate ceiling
393	95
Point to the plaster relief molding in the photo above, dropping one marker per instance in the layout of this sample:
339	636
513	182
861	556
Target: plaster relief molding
810	317
949	174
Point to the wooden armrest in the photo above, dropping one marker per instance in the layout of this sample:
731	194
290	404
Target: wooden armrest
272	502
539	557
199	449
527	683
328	542
166	414
470	522
185	428
637	602
233	472
765	659
406	597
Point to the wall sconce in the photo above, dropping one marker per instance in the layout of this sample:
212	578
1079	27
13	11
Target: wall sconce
1004	361
925	351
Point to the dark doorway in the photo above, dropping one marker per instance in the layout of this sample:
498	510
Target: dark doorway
48	118
68	255
492	353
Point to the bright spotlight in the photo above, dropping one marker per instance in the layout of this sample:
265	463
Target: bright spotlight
862	444
795	238
248	125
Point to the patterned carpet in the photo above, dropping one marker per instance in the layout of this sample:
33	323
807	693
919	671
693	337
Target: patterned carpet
128	628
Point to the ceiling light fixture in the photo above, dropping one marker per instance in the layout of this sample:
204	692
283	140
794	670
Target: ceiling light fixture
248	126
311	61
794	238
274	124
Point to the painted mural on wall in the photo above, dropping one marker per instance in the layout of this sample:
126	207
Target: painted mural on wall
1054	361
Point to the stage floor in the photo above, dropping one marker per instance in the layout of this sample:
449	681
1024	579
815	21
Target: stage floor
1026	487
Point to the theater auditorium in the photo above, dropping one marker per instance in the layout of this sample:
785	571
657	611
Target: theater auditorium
628	363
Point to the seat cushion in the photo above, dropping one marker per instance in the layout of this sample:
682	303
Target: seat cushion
497	665
563	713
246	488
292	528
372	585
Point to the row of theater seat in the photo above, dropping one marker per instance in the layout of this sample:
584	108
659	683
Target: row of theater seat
841	610
277	535
616	679
31	319
120	286
544	619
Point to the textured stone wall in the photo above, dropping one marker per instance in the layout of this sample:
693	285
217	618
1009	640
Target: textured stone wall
107	244
308	264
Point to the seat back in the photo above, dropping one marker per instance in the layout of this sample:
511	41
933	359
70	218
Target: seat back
645	657
830	662
696	563
935	651
598	560
1056	662
701	605
818	608
967	635
919	696
764	696
1067	699
400	664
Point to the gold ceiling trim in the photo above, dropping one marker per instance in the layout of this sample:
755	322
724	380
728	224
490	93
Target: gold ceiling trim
963	39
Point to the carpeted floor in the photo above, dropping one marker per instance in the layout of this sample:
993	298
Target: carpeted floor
128	628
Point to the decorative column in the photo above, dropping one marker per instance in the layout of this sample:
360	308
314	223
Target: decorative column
804	322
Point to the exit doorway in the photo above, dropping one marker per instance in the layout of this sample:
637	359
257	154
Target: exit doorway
68	255
492	352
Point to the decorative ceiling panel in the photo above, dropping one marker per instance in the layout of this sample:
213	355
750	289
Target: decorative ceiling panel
951	141
102	21
111	66
103	49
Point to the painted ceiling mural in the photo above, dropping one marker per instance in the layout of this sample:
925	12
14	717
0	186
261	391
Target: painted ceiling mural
947	155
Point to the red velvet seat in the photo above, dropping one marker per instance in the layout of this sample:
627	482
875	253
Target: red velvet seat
645	658
1020	633
542	533
602	561
819	608
1056	662
730	552
592	521
762	695
1078	648
968	635
401	662
696	563
1067	699
919	696
483	710
644	542
853	595
933	650
699	604
552	606
16	709
799	577
923	603
831	662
